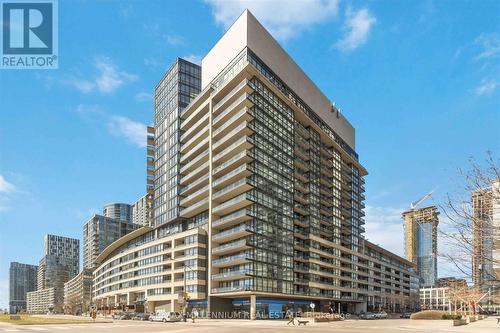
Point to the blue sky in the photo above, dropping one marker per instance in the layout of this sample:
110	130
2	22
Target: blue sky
419	80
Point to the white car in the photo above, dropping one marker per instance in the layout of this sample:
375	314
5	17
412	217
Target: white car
381	315
165	316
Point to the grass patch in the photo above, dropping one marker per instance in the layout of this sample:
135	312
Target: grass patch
31	320
429	315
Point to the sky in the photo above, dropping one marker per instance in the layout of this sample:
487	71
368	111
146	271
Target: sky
419	80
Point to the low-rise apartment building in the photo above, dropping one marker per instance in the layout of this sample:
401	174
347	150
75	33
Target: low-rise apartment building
78	293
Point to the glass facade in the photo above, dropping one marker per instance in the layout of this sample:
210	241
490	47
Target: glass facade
22	279
180	84
426	257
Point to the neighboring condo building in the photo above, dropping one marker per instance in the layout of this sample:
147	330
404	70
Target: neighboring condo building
486	215
42	301
60	264
118	211
435	298
486	251
421	242
99	232
78	293
22	279
258	195
140	211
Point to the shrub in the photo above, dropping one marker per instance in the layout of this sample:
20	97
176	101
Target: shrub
428	314
452	316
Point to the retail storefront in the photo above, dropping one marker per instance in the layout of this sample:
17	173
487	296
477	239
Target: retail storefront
272	308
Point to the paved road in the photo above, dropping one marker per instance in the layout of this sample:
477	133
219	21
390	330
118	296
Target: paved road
243	326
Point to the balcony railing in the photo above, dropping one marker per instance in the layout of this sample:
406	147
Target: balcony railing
231	274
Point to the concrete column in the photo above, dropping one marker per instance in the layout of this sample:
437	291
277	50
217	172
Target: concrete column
253	307
151	306
172	305
117	299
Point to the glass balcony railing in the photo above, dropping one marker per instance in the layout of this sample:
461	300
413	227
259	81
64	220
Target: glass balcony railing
228	218
231	274
236	257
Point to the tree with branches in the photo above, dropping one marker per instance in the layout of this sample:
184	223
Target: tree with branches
470	229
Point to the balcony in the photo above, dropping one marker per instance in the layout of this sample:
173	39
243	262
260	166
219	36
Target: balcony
231	219
300	152
301	209
301	164
240	145
235	246
198	126
231	123
194	186
236	259
301	187
193	197
196	173
232	275
232	205
191	117
232	190
302	130
233	135
194	163
298	196
230	289
243	102
194	140
232	176
235	161
302	176
232	234
231	97
195	209
197	150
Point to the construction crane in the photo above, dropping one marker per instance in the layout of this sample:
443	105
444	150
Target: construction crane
414	204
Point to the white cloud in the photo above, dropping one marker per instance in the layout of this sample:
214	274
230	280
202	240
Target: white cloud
174	40
109	78
194	58
283	18
357	26
149	61
5	186
486	87
143	97
132	131
384	226
490	45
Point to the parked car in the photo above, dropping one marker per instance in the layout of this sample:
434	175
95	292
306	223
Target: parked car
380	315
125	316
165	316
367	315
141	316
117	315
405	315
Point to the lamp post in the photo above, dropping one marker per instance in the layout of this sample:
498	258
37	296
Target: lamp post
184	293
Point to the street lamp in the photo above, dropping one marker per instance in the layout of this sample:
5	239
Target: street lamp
184	293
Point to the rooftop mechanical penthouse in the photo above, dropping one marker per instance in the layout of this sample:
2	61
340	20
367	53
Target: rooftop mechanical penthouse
258	196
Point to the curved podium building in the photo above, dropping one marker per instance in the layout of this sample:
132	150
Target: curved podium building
259	196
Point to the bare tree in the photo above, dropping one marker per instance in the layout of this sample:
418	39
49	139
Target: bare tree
470	232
